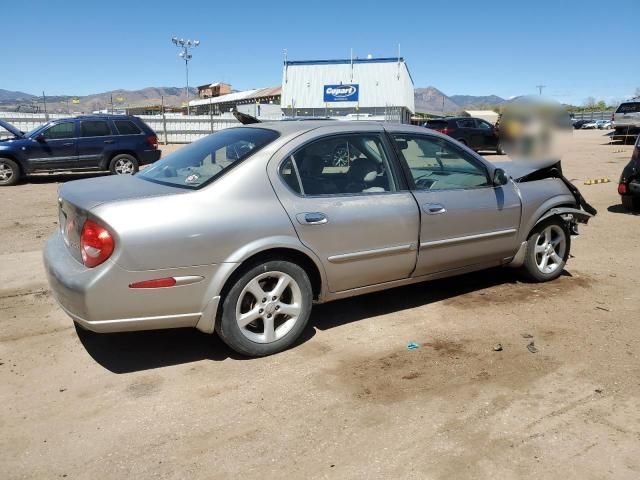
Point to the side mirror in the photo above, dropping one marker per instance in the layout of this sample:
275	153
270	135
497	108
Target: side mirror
499	177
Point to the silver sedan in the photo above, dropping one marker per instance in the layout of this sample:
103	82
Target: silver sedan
242	231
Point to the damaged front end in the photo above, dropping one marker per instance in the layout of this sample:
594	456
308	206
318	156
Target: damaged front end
526	173
530	171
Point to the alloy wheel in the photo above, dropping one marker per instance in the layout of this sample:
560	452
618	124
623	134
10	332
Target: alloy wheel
6	173
268	307
124	167
550	249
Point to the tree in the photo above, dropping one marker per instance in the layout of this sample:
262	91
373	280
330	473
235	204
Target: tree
589	102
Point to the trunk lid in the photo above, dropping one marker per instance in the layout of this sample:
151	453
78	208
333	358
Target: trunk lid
76	199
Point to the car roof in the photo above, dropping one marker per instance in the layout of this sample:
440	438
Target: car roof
94	117
336	126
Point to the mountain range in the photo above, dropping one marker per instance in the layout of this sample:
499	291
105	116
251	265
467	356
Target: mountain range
173	96
432	100
427	100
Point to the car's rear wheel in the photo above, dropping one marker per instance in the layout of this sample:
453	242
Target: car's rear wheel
548	248
9	172
123	164
499	149
266	309
630	203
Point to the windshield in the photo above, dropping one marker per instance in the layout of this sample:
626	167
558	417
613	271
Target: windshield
39	127
201	162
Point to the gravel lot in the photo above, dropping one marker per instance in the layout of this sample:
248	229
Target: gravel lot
350	401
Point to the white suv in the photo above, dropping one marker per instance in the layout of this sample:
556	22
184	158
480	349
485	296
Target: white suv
626	119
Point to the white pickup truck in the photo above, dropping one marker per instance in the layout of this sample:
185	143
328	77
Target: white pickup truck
626	119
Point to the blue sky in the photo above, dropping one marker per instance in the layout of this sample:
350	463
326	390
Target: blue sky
578	48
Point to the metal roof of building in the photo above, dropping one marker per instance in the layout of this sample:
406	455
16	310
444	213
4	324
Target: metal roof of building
343	61
238	96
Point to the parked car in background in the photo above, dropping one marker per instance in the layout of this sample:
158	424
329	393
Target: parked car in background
245	245
475	133
626	119
591	124
117	143
603	124
579	123
629	184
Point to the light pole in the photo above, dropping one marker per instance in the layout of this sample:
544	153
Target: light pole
184	46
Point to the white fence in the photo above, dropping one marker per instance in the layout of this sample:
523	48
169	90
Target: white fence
170	129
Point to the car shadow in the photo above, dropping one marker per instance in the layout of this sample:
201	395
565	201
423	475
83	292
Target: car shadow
128	352
618	208
338	313
136	351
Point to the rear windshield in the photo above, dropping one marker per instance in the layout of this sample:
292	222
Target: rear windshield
632	107
203	161
433	124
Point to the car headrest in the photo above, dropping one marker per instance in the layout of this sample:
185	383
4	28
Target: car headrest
311	165
363	169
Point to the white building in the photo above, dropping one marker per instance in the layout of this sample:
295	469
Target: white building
378	87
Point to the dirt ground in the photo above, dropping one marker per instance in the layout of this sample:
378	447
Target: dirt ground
350	401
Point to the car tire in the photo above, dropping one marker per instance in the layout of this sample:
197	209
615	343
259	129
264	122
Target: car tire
9	172
123	164
631	204
548	247
499	149
252	321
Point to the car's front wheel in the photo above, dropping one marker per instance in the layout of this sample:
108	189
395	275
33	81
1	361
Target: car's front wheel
123	164
9	172
266	309
548	248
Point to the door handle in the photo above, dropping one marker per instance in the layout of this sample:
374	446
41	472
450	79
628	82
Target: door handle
312	218
434	208
109	141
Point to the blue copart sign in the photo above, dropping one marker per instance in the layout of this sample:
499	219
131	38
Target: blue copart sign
341	93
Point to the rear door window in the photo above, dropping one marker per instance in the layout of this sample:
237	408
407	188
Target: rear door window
94	128
631	107
466	123
127	127
338	165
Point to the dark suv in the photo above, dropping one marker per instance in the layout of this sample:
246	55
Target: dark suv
629	184
475	133
118	143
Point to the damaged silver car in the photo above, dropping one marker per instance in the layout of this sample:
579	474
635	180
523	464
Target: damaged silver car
242	231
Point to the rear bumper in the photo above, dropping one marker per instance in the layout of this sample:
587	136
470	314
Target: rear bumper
100	300
149	156
633	188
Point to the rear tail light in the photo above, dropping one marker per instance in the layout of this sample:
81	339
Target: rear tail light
96	244
622	188
445	130
152	140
